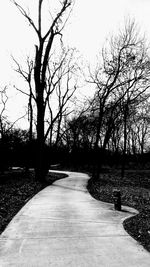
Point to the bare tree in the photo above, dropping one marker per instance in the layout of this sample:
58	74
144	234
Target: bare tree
3	118
61	84
42	53
120	80
27	75
139	129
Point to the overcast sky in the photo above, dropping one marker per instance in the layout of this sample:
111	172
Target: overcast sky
91	22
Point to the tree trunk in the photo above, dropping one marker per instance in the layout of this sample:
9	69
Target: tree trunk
40	162
97	164
30	119
125	142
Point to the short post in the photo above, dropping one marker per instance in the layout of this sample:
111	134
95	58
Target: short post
117	199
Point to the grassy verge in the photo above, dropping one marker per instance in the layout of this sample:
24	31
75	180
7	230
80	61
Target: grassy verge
135	192
16	188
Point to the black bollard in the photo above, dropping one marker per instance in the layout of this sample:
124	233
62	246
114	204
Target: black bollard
117	199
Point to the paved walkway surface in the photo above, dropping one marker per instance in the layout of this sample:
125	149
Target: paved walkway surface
64	226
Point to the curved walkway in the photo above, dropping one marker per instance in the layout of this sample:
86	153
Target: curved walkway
64	226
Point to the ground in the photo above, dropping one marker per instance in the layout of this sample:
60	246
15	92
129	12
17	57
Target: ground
135	192
16	188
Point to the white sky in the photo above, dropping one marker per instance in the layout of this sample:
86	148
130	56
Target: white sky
89	25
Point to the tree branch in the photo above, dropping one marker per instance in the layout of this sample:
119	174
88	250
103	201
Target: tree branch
24	13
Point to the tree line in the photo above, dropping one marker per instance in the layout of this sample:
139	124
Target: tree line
114	121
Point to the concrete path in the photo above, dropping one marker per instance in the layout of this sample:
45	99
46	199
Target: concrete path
64	226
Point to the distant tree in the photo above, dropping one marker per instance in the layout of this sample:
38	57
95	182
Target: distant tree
62	83
56	23
3	118
27	75
139	129
79	133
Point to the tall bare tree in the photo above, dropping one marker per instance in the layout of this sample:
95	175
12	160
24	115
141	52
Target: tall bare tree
43	50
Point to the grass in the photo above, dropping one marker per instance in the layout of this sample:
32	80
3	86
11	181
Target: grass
135	192
16	188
